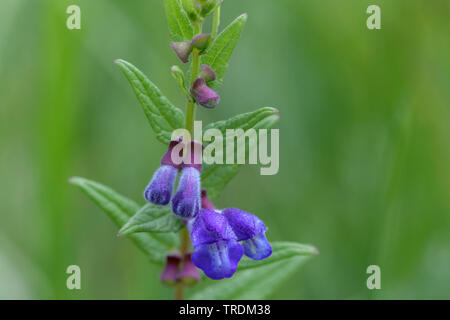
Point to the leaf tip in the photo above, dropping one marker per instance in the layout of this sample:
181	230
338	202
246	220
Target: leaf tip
73	180
125	230
276	112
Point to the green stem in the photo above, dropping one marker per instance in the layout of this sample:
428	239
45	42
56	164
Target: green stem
190	118
190	109
216	23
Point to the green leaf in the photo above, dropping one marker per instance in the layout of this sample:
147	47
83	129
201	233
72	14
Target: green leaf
152	218
219	54
259	279
119	209
259	119
281	250
179	24
162	115
216	176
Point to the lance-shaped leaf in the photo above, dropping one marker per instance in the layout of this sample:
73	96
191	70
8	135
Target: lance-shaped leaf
162	115
258	279
179	24
152	218
216	176
219	54
119	209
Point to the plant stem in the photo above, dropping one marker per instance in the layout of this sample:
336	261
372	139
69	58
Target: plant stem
190	118
179	291
216	23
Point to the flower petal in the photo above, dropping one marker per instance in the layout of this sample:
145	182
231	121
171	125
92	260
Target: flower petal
209	227
218	260
257	248
245	225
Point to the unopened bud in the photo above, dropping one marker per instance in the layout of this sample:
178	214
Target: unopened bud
201	41
207	73
182	49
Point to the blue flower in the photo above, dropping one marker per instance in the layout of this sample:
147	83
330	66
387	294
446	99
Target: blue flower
159	190
216	252
250	231
187	201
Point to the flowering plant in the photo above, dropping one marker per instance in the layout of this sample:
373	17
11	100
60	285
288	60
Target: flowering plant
166	226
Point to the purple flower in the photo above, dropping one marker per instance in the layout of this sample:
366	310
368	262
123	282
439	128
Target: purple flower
217	252
182	49
187	201
203	94
250	230
159	190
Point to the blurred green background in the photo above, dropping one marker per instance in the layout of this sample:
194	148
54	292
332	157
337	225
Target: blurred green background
365	136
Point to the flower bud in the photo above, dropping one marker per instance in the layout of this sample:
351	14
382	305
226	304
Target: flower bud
186	202
208	6
169	276
201	42
189	274
159	190
203	94
182	49
207	73
193	10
